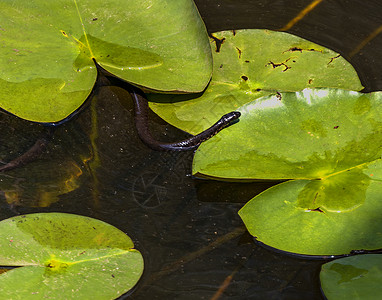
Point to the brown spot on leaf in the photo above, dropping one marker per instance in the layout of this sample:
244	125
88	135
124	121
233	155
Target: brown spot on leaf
333	58
239	51
64	33
317	209
276	65
335	127
218	42
294	49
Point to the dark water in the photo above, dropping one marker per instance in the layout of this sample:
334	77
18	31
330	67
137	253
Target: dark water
188	230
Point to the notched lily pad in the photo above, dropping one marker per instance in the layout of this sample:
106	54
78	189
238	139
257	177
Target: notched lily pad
355	277
49	74
66	256
328	141
252	63
278	219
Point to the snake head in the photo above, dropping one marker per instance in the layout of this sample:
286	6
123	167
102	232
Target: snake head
231	118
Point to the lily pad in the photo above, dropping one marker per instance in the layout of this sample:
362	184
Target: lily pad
66	256
329	142
47	66
355	277
252	63
278	219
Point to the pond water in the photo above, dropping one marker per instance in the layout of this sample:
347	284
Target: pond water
194	244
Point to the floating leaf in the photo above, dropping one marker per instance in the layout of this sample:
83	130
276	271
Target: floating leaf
354	277
66	256
329	142
252	63
276	218
47	51
309	134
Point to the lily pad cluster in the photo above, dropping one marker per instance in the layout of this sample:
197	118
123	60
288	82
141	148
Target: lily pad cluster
49	56
322	141
303	121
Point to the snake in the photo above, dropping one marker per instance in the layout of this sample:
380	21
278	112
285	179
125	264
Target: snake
141	109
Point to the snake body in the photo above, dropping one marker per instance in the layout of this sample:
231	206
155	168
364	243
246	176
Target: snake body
141	110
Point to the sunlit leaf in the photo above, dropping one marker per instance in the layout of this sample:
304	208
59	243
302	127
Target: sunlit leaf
252	63
66	256
47	51
356	277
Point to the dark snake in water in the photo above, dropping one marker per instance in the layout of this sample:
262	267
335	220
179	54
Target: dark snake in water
141	109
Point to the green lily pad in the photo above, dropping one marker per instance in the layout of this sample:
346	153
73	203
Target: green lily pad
329	142
311	134
278	219
354	277
48	50
252	63
66	256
